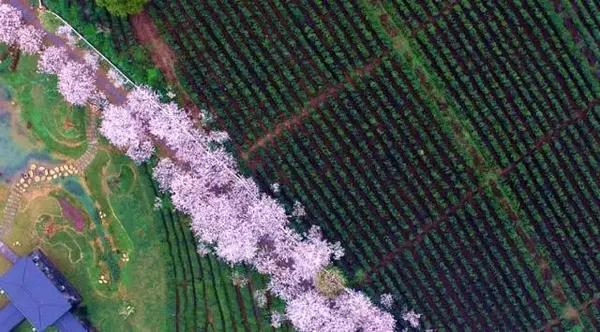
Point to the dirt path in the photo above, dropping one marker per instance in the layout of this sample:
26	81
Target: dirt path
162	55
327	92
147	34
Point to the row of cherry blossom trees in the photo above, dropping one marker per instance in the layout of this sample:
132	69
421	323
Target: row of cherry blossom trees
76	80
229	213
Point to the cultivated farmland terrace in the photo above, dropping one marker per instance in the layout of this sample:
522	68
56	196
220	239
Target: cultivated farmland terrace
450	147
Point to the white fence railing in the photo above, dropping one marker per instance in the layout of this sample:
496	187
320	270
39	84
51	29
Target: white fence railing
88	44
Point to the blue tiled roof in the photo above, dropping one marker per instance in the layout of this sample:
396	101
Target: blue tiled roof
70	323
30	291
10	317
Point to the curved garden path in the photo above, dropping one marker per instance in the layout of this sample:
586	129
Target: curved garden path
39	175
46	174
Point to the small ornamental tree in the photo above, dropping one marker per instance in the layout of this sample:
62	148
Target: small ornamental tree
330	282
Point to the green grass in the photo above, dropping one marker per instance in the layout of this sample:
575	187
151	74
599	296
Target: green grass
60	127
50	22
134	230
79	255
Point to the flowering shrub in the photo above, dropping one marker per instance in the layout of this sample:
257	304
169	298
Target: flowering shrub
387	300
67	34
412	318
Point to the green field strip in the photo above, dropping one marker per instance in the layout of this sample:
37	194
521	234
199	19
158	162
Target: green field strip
472	147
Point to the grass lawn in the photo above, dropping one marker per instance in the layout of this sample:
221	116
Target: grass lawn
82	257
60	127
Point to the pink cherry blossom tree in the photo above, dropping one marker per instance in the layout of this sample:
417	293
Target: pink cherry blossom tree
351	311
310	311
76	82
10	23
144	103
124	131
52	60
30	39
360	314
19	36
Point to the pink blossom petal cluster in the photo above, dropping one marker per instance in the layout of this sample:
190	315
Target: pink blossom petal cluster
52	60
77	83
10	23
30	39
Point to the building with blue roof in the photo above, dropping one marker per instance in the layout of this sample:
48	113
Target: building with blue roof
40	294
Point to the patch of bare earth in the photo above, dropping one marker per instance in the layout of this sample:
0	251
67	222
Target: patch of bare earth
162	55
